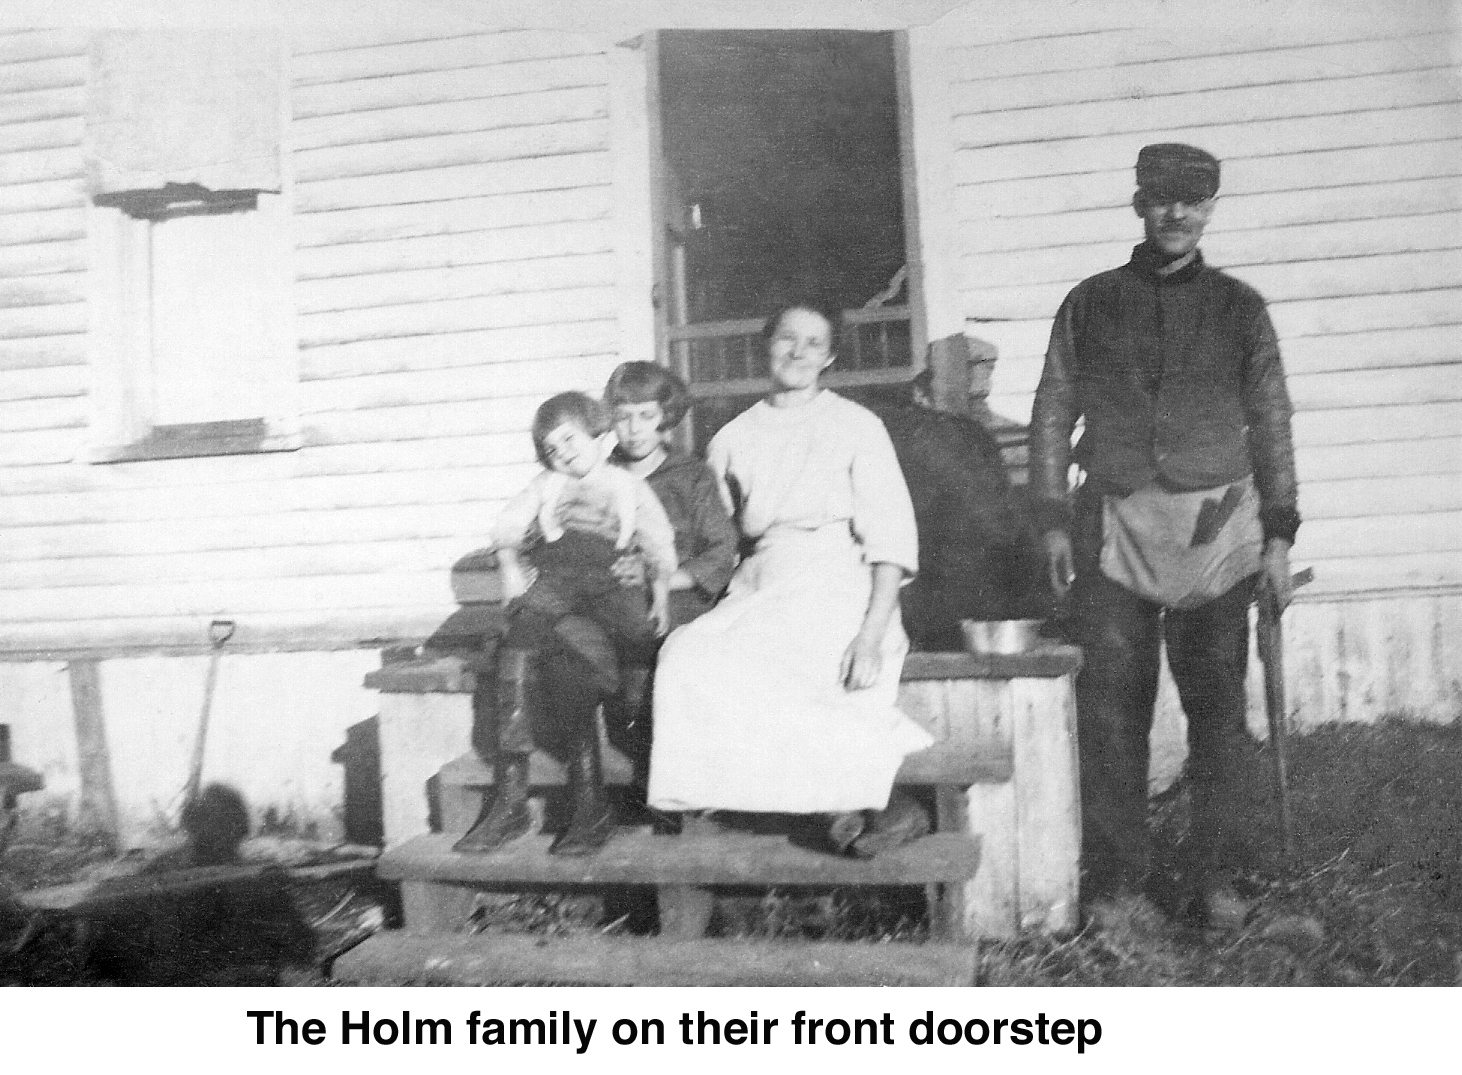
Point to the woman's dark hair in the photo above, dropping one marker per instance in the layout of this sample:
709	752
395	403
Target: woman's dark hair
833	318
576	407
649	382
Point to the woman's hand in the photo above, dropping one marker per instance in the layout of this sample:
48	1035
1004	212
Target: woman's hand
862	662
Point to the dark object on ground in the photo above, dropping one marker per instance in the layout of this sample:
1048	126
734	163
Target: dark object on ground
217	822
977	552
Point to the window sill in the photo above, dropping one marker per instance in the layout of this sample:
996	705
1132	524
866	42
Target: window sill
251	436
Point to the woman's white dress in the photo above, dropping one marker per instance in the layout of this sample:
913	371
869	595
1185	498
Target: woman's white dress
750	713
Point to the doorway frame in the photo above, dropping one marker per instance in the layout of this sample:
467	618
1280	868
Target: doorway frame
925	144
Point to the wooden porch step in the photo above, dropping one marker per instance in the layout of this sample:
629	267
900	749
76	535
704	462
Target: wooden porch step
639	858
950	761
594	959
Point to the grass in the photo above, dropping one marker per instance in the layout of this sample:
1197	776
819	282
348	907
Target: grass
1372	897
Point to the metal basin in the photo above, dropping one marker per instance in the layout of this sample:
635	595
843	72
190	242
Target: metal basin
1001	636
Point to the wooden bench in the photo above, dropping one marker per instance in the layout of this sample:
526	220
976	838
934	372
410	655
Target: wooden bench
1002	858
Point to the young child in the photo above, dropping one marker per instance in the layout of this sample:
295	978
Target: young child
576	517
647	402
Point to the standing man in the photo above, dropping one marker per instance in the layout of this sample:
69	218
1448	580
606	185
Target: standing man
1188	508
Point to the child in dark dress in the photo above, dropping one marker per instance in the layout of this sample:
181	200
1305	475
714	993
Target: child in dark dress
647	402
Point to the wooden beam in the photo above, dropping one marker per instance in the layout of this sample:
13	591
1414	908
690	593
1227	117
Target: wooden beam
719	859
499	959
98	807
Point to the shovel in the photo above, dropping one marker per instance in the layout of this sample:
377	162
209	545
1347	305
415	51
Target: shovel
1271	655
219	632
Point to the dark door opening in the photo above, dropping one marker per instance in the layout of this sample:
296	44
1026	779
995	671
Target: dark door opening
781	150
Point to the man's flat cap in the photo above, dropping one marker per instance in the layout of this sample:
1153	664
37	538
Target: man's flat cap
1176	171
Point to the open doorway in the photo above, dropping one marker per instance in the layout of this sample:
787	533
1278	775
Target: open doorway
783	181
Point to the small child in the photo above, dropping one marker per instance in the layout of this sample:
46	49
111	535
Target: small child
587	514
577	517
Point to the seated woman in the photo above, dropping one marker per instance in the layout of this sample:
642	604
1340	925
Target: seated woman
781	698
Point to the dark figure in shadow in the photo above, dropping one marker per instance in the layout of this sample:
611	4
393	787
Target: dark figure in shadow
186	929
977	555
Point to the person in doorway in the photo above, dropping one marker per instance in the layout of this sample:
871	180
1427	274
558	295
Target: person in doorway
1188	505
781	698
577	516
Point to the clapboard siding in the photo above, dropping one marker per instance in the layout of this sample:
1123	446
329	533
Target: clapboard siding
435	54
475	213
1235	250
1199	108
1239	139
526	176
42	105
991	41
502	80
425	454
563	306
468	521
1088	208
1340	132
1289	281
449	350
452	201
313	137
455	264
505	244
1277	69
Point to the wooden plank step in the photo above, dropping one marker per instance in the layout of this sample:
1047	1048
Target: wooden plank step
640	858
544	770
950	761
592	959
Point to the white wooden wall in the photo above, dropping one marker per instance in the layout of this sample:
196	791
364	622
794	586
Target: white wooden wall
453	215
1340	131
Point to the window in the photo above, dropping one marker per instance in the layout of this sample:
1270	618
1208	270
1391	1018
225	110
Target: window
192	342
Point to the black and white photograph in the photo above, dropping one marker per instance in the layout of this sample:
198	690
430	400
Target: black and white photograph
1011	456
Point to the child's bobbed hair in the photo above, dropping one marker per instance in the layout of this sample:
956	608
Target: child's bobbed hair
583	410
649	382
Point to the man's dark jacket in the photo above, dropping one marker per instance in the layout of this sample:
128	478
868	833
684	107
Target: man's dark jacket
1179	380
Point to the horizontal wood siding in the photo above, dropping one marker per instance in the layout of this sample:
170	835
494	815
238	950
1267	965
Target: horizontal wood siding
1340	131
454	263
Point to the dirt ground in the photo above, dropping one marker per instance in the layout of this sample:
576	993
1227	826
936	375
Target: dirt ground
1373	896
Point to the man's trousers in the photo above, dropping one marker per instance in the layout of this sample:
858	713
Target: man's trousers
1122	636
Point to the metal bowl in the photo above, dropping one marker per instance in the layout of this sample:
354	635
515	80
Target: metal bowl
1001	636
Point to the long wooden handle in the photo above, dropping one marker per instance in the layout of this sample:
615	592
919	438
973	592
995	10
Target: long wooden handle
1271	654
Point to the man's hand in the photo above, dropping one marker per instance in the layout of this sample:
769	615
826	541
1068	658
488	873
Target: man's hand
862	661
629	570
1275	582
1060	561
